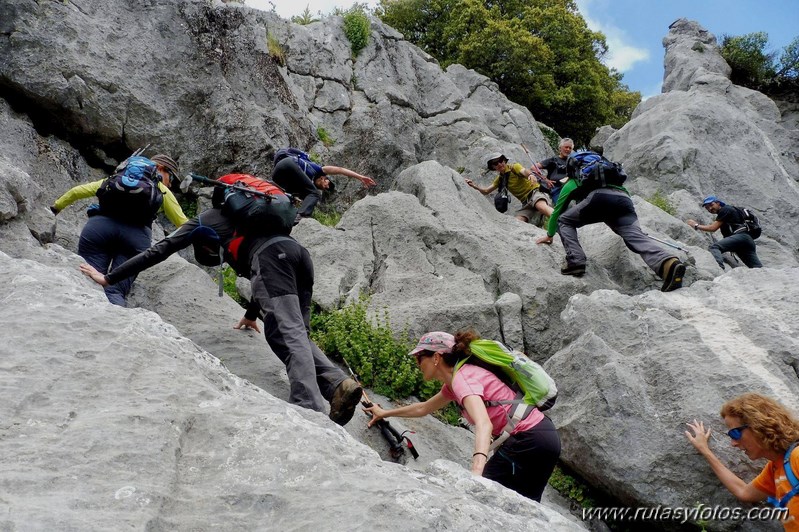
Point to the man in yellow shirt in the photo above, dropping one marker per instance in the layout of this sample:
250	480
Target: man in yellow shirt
114	234
523	184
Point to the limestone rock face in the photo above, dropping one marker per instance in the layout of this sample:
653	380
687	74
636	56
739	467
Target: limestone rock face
639	369
220	86
706	136
136	426
135	417
691	54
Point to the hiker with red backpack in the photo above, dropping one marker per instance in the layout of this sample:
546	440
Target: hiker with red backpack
762	428
739	227
526	443
121	225
298	175
596	185
253	238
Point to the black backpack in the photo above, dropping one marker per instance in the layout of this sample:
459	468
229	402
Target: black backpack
751	224
594	171
131	194
502	198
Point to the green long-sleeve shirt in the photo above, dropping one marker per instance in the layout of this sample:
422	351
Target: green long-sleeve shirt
170	206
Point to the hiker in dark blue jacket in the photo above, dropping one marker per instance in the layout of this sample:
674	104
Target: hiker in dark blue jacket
295	173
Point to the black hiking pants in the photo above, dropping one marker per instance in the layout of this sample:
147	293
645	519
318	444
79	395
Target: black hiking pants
282	284
289	176
526	460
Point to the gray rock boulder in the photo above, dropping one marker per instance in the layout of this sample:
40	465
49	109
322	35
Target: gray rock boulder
706	136
691	55
637	369
219	86
141	428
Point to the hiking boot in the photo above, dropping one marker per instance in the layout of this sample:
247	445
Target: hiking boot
345	401
673	272
573	269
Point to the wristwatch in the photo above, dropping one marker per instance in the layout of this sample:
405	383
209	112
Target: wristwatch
696	227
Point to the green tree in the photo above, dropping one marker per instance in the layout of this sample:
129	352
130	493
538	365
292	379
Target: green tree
751	64
540	53
754	66
788	66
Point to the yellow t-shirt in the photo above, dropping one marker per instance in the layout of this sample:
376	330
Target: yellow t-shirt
772	480
518	185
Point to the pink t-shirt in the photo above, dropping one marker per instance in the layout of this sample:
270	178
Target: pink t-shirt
474	380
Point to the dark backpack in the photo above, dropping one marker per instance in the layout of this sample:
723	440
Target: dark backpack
751	224
502	198
592	170
282	153
260	210
131	194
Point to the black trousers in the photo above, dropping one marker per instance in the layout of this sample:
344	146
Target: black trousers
525	461
290	177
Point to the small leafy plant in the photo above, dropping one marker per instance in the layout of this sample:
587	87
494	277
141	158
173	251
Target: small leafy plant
356	28
325	137
662	202
229	285
275	49
571	488
327	216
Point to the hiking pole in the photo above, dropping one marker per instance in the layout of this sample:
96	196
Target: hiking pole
389	433
534	168
675	246
140	150
187	181
392	435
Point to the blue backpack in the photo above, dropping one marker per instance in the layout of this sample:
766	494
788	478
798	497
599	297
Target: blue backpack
592	170
131	194
282	153
786	463
303	160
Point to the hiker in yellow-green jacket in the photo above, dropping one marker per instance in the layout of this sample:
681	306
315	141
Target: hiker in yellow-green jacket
120	226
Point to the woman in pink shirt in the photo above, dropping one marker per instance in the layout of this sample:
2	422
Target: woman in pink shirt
525	460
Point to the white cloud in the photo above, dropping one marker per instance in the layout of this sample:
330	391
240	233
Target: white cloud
621	54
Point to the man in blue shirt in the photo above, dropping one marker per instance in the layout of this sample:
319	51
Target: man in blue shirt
295	173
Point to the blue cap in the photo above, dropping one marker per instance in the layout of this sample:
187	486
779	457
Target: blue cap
710	199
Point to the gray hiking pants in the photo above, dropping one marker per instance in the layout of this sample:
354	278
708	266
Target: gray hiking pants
615	209
282	284
741	244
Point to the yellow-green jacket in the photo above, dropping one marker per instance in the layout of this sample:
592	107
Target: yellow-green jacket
170	206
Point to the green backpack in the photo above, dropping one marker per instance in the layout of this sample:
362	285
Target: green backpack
534	386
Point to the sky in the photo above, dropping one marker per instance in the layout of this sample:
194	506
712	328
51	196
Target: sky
634	29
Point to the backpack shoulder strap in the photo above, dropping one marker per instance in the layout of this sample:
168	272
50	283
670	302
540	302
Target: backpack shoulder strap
790	474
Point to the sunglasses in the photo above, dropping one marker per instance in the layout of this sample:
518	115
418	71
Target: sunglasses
737	432
422	354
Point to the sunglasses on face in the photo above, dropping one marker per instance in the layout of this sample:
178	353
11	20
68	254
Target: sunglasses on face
422	354
737	432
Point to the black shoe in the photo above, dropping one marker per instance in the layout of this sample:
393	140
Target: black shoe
345	401
574	269
673	272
